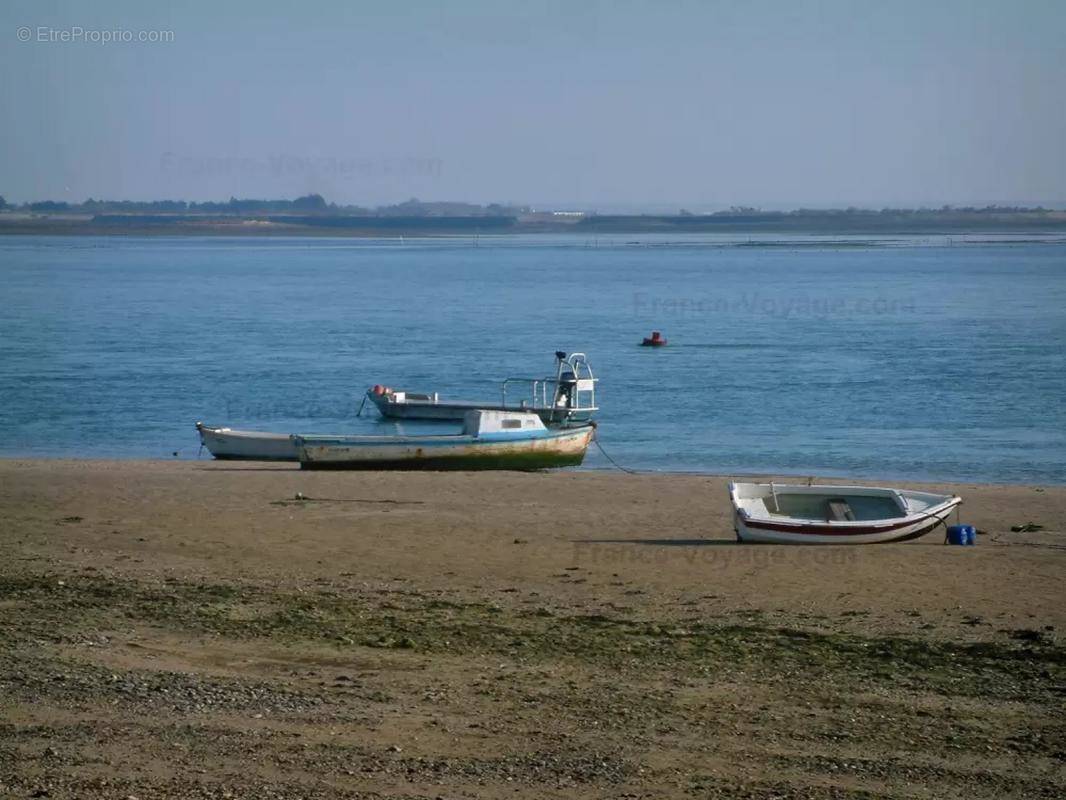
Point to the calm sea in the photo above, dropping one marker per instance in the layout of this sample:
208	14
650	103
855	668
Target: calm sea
923	358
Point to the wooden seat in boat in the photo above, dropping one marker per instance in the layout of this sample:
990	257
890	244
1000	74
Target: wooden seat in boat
838	510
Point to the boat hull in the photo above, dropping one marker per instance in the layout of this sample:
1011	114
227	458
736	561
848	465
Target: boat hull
564	448
781	533
230	445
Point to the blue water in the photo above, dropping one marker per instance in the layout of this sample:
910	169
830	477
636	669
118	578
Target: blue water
903	358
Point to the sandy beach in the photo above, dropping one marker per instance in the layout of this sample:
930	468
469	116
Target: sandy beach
192	629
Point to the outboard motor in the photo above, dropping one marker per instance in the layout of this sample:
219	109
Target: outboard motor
564	394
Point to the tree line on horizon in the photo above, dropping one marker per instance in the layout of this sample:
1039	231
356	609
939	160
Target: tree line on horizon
307	204
316	204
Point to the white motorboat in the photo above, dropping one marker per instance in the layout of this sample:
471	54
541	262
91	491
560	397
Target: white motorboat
814	514
567	397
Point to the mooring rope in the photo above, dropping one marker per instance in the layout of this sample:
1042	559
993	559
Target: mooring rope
627	470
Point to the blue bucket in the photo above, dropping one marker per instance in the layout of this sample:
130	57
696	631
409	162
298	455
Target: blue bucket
962	534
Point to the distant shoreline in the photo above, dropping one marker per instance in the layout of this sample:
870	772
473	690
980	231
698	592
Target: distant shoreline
934	223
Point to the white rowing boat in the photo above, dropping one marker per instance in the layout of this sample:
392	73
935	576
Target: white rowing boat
227	443
799	514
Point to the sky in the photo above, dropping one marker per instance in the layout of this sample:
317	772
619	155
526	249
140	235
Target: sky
618	105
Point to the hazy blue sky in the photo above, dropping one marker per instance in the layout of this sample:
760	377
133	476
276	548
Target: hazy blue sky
601	104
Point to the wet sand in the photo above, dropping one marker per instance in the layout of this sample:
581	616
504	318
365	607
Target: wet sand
191	629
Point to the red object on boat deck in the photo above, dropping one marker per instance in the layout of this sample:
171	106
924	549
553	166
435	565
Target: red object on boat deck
656	340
